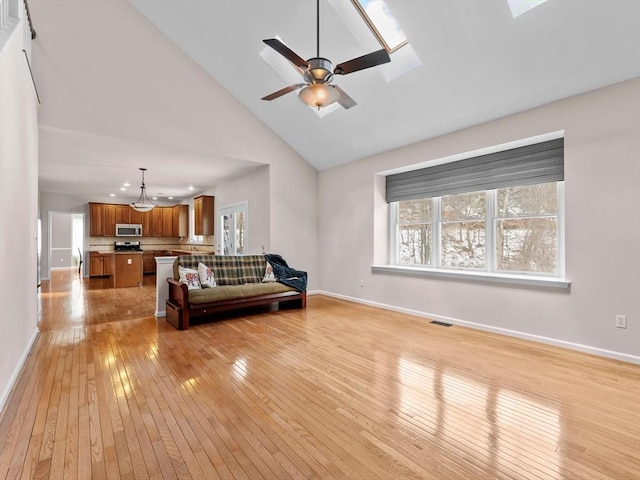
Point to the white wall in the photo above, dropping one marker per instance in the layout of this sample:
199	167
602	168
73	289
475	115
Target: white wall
61	240
282	209
18	210
602	194
254	189
58	202
293	215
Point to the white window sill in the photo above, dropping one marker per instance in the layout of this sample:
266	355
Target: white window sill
476	276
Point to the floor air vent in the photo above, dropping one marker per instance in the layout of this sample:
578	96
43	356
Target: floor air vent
441	324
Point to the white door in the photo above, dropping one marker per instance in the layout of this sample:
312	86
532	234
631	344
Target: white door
233	223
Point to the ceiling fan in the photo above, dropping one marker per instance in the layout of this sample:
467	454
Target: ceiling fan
318	73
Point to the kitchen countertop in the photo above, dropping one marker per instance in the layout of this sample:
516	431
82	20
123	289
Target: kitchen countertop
106	249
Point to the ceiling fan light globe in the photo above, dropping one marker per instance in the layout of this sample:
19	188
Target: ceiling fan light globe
319	95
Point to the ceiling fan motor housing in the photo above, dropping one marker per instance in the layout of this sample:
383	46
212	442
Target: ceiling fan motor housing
319	71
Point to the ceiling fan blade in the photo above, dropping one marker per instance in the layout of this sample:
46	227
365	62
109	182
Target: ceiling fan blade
372	59
286	52
344	100
285	90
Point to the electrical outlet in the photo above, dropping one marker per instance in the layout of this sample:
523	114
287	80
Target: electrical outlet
362	283
621	321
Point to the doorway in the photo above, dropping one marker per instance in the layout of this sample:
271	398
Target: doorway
66	239
233	221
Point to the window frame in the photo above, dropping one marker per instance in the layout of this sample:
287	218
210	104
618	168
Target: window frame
375	31
193	238
490	271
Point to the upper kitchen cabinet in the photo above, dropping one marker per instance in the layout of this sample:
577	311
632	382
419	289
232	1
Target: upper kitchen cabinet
122	214
109	227
102	220
159	222
203	210
96	219
156	215
167	221
146	220
181	221
135	217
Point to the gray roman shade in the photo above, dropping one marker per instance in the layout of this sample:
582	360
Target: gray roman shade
528	165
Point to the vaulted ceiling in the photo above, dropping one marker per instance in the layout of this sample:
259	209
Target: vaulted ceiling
175	85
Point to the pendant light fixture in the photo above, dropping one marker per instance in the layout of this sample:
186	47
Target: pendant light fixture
143	204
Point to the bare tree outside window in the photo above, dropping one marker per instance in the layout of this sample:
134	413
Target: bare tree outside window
462	230
414	231
527	228
240	233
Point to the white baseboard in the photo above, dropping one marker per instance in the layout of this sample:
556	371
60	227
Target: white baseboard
624	357
163	313
17	370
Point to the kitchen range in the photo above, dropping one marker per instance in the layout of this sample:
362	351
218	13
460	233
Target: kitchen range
127	247
127	264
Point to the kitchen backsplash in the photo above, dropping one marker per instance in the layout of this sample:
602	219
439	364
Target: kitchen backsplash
105	244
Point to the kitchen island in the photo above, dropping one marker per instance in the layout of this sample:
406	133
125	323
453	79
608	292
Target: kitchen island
127	269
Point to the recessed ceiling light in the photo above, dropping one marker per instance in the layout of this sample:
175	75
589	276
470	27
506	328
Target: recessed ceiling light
191	187
112	194
154	198
123	189
126	184
170	198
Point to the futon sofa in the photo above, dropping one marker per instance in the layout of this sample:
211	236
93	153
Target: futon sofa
203	284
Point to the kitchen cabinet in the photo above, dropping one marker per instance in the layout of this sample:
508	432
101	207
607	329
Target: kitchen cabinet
96	219
95	264
100	264
122	214
149	259
102	220
127	269
107	263
135	217
159	222
146	221
156	215
181	221
109	226
203	210
149	262
167	221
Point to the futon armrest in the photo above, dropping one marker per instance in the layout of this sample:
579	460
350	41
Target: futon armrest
178	293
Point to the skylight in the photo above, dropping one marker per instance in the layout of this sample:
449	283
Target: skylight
518	7
382	23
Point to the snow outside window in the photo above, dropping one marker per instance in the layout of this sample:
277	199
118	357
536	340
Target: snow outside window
514	230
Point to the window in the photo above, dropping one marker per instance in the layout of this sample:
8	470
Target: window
462	230
507	230
414	231
382	23
193	238
526	228
497	213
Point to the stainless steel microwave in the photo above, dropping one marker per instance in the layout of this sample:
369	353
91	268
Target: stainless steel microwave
128	230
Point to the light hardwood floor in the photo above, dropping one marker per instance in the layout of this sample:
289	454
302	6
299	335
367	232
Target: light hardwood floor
338	390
